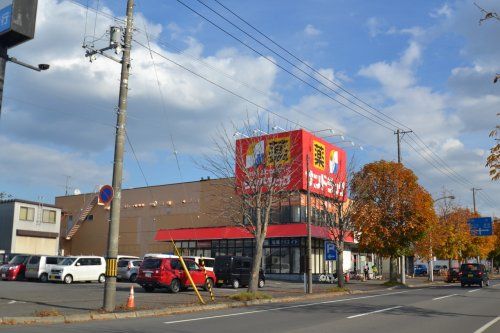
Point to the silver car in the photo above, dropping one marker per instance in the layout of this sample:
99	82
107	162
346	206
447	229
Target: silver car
128	269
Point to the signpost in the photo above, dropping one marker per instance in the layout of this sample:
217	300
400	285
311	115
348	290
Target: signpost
481	226
330	251
17	25
106	194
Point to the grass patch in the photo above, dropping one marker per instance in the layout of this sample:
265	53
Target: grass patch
392	284
248	296
47	313
338	289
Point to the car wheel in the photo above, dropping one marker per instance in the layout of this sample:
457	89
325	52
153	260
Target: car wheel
209	283
235	284
102	278
20	276
68	279
148	289
218	285
44	277
262	283
175	286
133	278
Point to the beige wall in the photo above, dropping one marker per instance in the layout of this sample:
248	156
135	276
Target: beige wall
143	212
35	245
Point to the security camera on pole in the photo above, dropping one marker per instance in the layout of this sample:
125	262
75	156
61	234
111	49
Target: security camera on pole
115	43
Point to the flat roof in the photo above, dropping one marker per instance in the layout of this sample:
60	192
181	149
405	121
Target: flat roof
145	187
29	202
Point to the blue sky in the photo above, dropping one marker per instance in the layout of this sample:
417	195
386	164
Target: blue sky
426	64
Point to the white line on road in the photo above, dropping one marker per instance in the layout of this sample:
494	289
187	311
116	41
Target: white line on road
13	301
435	299
368	313
288	307
472	291
487	325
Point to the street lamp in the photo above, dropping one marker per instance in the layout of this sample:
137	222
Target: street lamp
431	261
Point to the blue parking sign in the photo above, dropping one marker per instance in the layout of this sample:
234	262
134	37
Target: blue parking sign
5	15
330	251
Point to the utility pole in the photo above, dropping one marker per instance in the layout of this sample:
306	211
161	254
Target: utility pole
399	134
474	190
114	226
309	249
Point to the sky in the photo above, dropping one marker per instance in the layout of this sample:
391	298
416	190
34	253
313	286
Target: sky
425	66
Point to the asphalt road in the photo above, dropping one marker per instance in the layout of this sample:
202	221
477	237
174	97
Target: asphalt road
437	309
23	298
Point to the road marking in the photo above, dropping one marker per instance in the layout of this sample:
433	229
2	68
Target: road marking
487	325
368	313
13	301
437	298
287	307
472	291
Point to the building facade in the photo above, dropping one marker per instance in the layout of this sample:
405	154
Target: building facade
191	215
29	227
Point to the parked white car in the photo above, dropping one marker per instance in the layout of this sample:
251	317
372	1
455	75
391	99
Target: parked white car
38	267
209	262
81	268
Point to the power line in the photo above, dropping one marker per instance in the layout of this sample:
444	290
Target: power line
286	70
297	67
222	87
422	143
308	66
445	173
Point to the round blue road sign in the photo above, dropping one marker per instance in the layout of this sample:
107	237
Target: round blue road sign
106	194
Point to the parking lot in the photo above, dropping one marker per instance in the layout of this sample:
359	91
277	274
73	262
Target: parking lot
24	298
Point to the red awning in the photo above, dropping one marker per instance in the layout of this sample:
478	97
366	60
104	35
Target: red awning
233	232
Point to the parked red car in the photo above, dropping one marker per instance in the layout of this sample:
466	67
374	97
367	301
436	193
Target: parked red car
168	273
15	269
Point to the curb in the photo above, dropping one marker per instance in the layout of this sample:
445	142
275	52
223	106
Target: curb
75	318
430	284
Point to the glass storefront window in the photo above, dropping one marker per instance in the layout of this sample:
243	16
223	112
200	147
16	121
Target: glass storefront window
296	214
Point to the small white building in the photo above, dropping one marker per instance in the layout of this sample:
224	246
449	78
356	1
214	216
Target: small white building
29	227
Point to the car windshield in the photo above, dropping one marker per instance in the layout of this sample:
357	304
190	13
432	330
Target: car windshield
17	260
122	263
470	268
151	263
67	261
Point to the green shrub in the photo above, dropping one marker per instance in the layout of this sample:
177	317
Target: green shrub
248	296
338	289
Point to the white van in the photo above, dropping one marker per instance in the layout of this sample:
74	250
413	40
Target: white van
209	262
38	267
81	268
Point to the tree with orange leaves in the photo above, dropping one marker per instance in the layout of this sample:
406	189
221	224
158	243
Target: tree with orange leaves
454	231
392	211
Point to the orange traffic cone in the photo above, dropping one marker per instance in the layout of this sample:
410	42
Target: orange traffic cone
131	301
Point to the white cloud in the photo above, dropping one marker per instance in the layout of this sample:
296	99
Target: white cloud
375	26
445	10
311	31
27	165
69	112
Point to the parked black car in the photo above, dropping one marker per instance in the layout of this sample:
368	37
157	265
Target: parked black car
235	271
473	274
